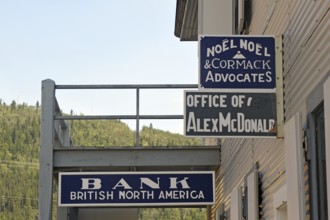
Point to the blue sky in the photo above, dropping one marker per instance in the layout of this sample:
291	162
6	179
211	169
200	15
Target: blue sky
95	42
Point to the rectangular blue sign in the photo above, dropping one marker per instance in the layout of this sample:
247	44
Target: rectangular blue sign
246	62
87	189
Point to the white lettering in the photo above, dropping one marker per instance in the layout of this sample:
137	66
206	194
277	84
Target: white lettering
255	48
191	124
91	183
122	183
91	195
224	122
245	44
225	45
183	182
241	77
217	63
241	124
181	194
143	194
206	100
150	183
190	101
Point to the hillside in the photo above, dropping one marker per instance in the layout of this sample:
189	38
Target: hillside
19	157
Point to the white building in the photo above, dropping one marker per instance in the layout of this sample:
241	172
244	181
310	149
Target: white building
284	178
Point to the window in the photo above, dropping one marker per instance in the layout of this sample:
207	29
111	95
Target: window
317	162
318	149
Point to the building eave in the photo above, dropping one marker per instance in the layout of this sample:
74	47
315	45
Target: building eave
186	20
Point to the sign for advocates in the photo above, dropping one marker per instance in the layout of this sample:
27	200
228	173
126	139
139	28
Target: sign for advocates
135	188
237	62
230	114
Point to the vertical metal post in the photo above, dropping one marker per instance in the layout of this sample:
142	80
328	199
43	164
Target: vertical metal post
73	213
62	213
137	117
46	150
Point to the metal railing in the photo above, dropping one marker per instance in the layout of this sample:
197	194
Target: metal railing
136	116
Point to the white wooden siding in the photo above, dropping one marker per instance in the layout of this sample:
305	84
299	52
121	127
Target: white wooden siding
305	26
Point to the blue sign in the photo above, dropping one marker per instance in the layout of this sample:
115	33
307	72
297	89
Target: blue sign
136	189
237	62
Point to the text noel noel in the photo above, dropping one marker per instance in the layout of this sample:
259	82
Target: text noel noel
219	69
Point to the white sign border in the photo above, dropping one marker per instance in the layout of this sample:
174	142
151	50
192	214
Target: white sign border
227	91
60	174
277	56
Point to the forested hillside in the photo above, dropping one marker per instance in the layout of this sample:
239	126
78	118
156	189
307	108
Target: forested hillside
19	158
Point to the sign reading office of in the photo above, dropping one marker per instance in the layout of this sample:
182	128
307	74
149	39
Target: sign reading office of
230	114
237	62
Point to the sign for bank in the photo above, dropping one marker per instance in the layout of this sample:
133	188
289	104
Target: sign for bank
135	188
230	114
237	62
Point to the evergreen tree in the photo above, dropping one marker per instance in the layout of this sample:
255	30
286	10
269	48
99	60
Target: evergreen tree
13	105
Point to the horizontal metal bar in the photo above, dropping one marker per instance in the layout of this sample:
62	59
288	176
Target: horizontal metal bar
123	117
129	86
133	156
